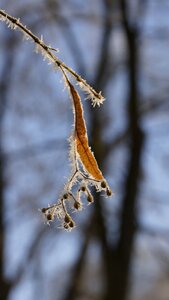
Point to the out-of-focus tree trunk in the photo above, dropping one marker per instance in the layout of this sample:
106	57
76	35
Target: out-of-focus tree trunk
120	260
4	85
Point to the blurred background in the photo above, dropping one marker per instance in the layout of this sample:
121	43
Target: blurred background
119	249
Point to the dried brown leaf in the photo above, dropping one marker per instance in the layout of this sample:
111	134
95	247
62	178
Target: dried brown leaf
86	156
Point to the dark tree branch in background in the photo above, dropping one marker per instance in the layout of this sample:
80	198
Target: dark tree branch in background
75	279
104	59
52	8
31	254
33	150
97	122
4	84
121	257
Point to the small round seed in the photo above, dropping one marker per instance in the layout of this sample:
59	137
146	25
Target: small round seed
109	192
67	218
103	184
83	188
90	198
72	224
77	205
49	217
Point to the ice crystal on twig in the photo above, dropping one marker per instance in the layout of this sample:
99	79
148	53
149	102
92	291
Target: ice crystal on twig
45	50
95	99
85	170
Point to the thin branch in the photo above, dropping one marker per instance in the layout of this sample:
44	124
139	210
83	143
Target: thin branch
45	50
69	34
31	253
121	265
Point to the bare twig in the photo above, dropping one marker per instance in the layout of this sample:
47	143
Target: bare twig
45	50
85	170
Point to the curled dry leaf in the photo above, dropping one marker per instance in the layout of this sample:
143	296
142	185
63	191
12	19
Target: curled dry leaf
85	154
